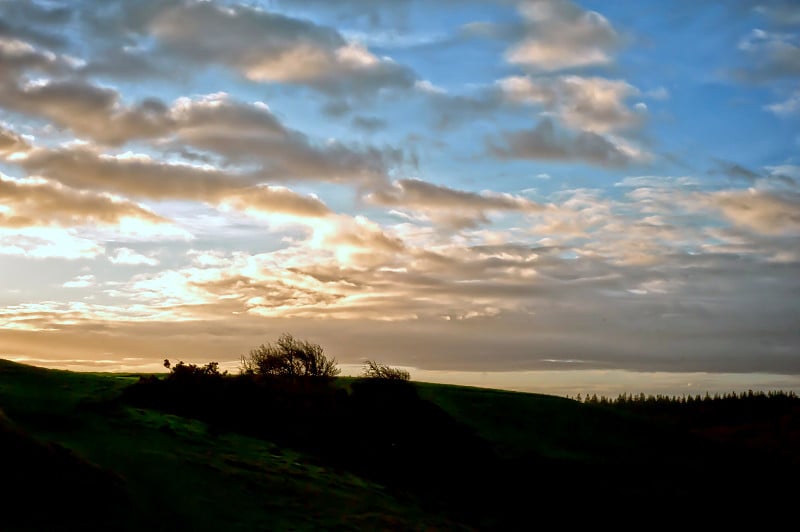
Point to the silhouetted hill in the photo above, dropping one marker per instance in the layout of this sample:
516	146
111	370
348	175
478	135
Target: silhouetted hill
48	487
237	453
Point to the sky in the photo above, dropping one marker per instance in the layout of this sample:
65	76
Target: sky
545	195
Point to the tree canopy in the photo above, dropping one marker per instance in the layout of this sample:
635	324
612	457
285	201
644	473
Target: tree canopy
289	357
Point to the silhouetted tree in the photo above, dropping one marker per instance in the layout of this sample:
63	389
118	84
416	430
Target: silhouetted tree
185	371
289	357
374	370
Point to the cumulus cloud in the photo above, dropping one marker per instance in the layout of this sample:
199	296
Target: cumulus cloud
589	104
761	211
250	133
144	177
34	22
47	243
11	143
789	107
351	276
370	124
560	35
239	132
772	55
48	203
17	57
547	143
81	281
456	208
276	199
652	266
271	47
130	257
88	110
781	12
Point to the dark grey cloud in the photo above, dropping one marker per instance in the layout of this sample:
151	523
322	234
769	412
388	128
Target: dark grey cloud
778	12
546	143
451	110
239	133
456	209
150	179
11	142
129	64
88	110
378	13
245	133
417	193
738	172
491	30
271	47
171	38
18	57
34	22
591	104
370	124
771	56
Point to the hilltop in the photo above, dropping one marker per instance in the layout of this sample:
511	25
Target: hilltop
127	452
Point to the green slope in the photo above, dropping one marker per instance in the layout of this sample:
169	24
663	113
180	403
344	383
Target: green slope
175	474
521	424
548	456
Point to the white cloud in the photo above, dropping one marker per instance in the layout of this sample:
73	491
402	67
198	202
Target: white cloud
81	281
786	108
131	257
589	104
659	93
423	85
561	35
47	243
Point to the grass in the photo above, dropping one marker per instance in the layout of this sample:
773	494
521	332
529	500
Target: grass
155	471
521	424
179	475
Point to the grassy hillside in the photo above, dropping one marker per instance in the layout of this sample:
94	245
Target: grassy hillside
83	453
173	473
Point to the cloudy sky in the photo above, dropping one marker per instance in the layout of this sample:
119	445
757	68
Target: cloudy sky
493	188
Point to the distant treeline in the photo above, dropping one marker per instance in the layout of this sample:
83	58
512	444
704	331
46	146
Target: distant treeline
640	399
774	413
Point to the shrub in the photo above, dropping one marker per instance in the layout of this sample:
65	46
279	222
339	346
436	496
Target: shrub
374	370
186	371
289	357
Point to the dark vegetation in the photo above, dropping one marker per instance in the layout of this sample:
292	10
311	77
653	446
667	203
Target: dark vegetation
765	421
289	357
35	474
286	445
376	370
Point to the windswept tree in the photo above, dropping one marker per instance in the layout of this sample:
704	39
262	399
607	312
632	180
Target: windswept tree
289	357
375	370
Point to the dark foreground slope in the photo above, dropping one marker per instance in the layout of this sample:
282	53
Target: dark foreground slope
169	472
603	464
362	455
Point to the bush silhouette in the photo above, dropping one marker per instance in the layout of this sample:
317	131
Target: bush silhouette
191	371
374	370
289	357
